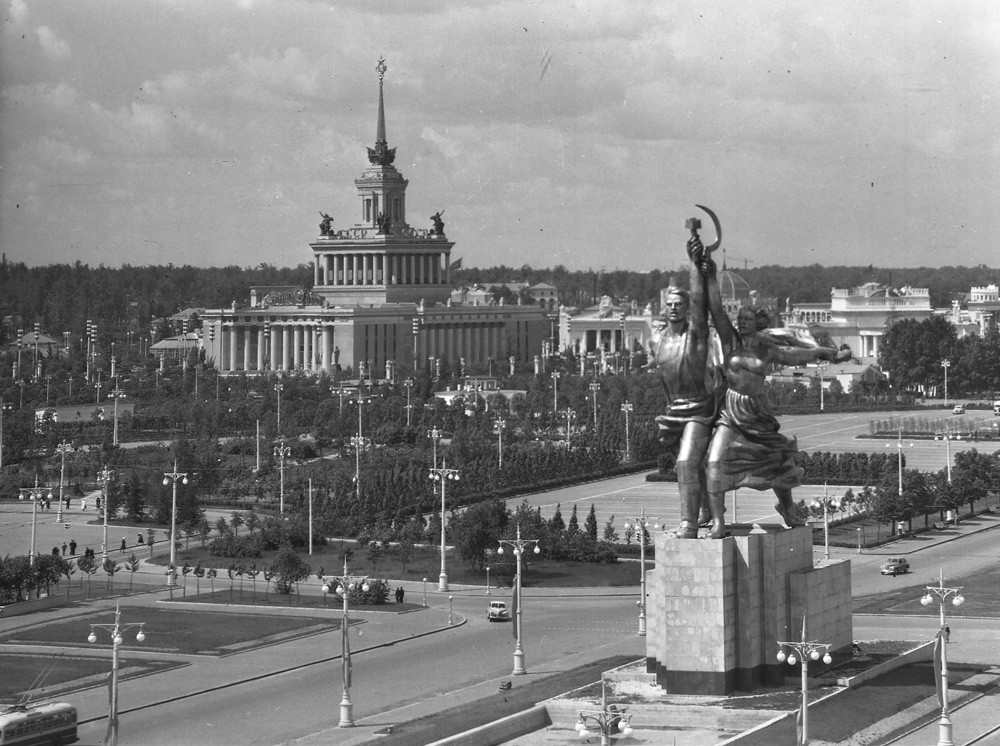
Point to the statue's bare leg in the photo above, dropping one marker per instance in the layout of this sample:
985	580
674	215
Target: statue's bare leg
716	487
691	480
785	507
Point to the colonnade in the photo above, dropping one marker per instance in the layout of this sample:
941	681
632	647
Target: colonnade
475	342
308	346
378	268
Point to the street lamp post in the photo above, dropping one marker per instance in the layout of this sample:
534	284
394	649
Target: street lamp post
607	721
116	395
555	390
805	650
594	388
946	364
442	475
947	436
627	409
106	475
168	477
281	452
343	586
3	407
435	435
821	367
941	650
826	504
279	387
518	544
487	580
408	384
115	630
641	526
570	416
62	448
34	494
500	424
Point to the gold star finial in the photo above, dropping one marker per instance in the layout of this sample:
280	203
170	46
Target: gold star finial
381	68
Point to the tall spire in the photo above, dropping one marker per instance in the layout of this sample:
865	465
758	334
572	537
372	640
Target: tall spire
381	154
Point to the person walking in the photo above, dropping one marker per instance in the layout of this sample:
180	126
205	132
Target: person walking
123	544
83	503
72	547
64	549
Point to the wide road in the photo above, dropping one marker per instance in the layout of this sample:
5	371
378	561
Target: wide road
439	667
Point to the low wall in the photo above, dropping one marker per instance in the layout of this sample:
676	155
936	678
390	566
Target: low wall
922	653
501	731
27	607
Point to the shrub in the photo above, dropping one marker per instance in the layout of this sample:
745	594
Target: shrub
236	547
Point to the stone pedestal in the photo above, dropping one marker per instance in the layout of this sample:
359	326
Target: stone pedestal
717	608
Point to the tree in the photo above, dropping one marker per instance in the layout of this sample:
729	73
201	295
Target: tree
478	529
253	571
68	571
88	566
150	540
288	568
111	568
132	565
610	533
236	520
199	573
556	522
590	525
574	522
251	520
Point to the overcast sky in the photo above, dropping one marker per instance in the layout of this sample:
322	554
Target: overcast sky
212	132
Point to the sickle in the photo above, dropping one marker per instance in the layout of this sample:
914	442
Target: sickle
718	230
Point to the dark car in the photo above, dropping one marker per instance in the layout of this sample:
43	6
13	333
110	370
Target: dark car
894	566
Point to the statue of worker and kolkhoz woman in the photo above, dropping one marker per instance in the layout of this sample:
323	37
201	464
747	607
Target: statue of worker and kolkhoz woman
719	426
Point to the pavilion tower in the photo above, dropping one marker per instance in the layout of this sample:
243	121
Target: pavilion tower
381	259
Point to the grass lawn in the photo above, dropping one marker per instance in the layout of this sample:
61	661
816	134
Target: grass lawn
842	716
323	604
424	563
180	631
521	696
67	673
981	591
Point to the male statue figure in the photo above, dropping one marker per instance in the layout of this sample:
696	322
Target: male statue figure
680	352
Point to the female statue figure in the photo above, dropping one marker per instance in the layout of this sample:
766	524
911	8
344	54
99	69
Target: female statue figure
747	449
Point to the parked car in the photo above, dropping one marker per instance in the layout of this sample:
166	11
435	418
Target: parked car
894	566
959	409
498	612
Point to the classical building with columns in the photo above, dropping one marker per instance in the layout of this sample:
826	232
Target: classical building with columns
381	300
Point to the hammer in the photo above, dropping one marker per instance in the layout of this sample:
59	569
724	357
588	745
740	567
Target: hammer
693	225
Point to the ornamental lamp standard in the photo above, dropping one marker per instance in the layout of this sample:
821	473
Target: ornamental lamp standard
822	367
804	651
435	435
946	364
607	721
442	475
62	448
106	476
487	580
570	415
555	390
941	650
279	387
168	477
518	544
116	395
34	494
408	384
627	409
343	586
947	437
826	503
641	527
499	424
594	388
281	452
115	630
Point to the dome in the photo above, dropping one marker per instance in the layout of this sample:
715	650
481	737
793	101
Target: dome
732	286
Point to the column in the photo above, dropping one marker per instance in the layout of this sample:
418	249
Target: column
380	270
325	347
296	347
286	347
233	347
338	269
316	278
369	276
307	337
260	348
275	362
223	347
246	347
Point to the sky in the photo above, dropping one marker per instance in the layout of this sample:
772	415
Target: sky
582	134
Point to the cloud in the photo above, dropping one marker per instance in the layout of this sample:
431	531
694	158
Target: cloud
55	48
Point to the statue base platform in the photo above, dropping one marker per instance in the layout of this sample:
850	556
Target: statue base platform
716	609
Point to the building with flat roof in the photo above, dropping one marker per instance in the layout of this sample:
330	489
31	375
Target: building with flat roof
381	298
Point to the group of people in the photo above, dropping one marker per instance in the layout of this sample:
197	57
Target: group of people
718	425
399	594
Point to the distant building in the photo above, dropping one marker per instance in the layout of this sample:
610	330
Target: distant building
849	374
984	307
858	316
175	349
